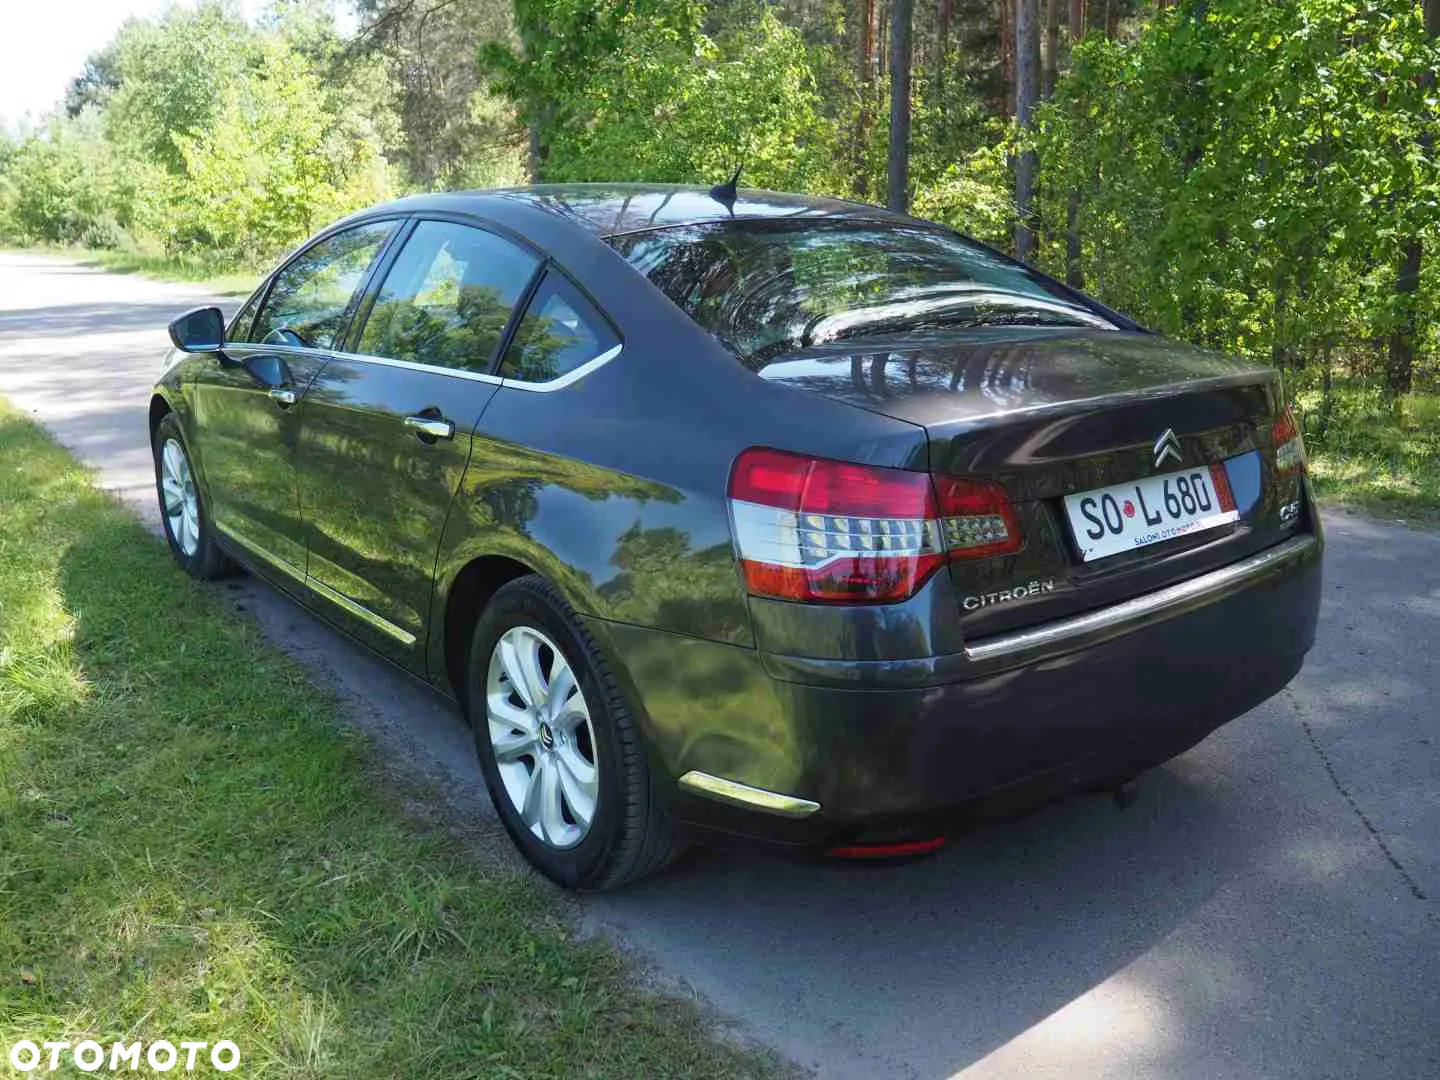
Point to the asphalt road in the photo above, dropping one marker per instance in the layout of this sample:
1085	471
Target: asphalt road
1269	908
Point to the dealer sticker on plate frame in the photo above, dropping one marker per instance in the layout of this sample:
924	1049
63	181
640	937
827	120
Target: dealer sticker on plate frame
1133	515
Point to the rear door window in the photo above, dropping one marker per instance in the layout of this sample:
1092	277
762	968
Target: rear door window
310	298
448	298
560	331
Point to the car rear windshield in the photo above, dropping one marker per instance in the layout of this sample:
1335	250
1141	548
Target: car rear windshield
767	288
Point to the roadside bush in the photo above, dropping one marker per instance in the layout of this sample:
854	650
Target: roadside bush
61	186
205	137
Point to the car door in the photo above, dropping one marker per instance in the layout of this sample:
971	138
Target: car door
248	400
388	426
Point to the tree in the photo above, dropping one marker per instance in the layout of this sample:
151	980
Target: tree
666	101
1052	49
864	86
172	75
1246	185
91	89
1027	95
1074	266
1400	368
454	129
897	190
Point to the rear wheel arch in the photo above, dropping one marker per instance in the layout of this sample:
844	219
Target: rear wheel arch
472	588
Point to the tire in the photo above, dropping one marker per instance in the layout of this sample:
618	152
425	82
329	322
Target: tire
188	532
543	753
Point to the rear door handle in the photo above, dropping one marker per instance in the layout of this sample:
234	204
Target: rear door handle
430	427
285	398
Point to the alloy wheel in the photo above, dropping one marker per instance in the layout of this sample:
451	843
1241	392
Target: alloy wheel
182	506
540	730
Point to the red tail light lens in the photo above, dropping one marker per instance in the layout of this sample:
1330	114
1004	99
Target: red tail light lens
822	531
1289	446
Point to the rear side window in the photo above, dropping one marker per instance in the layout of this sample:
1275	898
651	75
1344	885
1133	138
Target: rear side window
559	332
448	298
769	288
308	301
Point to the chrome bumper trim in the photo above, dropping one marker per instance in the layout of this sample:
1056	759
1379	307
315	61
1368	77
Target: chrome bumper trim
752	798
1097	626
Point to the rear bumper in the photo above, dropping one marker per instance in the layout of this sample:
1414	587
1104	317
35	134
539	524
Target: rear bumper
1064	707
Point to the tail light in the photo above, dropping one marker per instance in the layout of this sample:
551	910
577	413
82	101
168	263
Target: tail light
1289	447
823	531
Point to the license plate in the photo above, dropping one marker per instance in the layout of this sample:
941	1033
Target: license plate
1149	511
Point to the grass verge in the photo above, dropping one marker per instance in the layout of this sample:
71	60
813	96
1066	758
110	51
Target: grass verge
192	848
1375	451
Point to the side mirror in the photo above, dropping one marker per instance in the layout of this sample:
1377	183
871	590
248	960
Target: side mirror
201	330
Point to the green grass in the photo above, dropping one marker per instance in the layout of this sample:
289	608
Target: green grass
191	846
218	277
1377	452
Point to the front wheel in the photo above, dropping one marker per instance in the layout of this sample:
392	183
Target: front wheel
558	744
182	508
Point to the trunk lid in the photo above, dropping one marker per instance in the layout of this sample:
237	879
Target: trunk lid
1055	412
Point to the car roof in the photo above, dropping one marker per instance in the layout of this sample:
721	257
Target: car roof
612	209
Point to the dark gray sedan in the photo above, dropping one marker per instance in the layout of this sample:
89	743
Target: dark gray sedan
753	514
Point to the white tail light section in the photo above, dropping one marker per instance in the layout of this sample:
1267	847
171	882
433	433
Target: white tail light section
822	531
1289	447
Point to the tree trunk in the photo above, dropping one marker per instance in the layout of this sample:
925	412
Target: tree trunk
1077	21
1027	93
1007	58
942	46
1112	19
1400	364
864	82
1052	48
1074	267
897	192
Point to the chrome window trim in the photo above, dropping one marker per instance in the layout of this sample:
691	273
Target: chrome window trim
558	383
410	365
1096	626
571	376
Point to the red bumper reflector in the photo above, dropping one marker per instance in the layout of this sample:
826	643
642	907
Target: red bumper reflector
1221	479
888	851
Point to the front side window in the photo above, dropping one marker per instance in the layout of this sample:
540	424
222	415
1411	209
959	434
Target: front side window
559	331
307	303
769	288
448	298
244	319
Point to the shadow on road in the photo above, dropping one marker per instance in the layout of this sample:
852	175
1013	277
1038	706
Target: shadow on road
85	369
81	320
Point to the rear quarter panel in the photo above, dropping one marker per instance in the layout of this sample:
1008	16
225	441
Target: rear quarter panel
614	487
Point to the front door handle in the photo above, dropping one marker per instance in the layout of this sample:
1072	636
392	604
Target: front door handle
284	397
430	427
